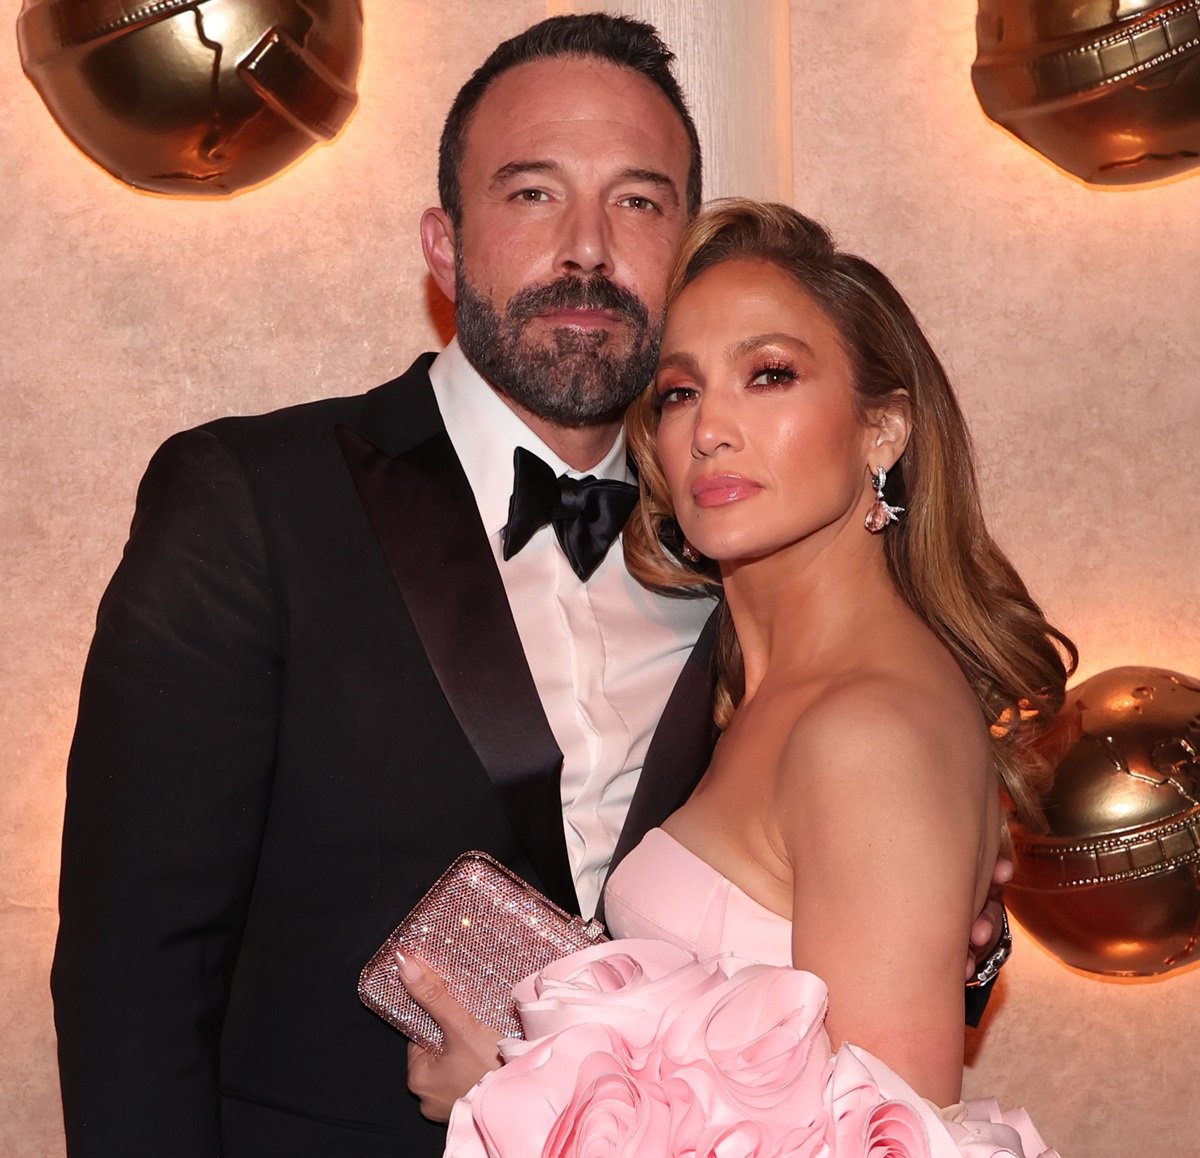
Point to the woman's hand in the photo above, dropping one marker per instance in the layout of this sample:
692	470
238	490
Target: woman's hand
470	1051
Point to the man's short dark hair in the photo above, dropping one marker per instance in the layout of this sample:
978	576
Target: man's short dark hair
625	42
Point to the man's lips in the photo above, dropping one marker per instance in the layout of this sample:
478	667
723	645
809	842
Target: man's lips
715	490
583	318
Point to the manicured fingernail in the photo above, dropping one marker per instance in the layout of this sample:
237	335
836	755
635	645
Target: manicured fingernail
410	971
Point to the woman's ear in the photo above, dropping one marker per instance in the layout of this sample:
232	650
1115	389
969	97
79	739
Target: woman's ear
889	428
437	243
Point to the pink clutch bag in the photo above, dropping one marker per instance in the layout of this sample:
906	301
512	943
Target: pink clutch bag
482	929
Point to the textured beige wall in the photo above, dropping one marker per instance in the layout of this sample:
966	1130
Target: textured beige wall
1066	315
1068	319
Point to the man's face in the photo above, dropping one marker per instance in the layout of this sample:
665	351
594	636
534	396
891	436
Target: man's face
574	181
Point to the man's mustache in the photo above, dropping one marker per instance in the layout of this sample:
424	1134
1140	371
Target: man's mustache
578	293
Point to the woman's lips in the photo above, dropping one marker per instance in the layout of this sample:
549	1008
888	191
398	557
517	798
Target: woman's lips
716	490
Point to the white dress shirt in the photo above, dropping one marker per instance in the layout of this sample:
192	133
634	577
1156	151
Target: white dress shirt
604	654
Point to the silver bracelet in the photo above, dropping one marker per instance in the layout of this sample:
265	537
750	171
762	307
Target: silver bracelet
986	973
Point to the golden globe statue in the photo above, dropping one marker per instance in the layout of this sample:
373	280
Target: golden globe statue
1107	89
1114	887
195	97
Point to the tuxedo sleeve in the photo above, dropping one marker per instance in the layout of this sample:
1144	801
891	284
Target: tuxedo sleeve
167	790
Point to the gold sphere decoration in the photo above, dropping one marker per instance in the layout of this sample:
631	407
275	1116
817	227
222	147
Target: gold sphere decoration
194	97
1108	90
1114	886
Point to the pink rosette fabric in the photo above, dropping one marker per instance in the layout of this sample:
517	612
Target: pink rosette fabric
981	1129
574	1092
872	1111
636	1048
754	1036
630	985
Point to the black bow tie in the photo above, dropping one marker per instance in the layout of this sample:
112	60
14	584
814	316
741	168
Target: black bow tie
587	513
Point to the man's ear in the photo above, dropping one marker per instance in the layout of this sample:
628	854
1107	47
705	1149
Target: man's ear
889	428
437	243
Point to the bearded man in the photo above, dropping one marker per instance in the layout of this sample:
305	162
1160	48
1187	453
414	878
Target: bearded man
330	660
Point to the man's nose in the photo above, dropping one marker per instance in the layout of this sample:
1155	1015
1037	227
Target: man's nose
585	246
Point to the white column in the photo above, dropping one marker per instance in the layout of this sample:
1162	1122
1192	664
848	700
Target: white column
734	63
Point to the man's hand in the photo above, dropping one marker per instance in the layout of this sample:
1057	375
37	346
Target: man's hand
470	1049
988	926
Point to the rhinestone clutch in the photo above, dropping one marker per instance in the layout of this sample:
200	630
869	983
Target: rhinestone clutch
482	929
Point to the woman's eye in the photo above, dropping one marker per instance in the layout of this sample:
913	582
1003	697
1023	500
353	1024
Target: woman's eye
773	376
673	395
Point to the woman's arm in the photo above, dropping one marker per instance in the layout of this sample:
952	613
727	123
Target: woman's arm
885	807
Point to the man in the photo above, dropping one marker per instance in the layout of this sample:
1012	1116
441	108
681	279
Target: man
307	691
333	658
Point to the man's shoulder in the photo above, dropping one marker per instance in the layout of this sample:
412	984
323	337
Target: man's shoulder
396	401
295	450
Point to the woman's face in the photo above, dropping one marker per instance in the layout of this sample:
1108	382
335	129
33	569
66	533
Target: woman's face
759	438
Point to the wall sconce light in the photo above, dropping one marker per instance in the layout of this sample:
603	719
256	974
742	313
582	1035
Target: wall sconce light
194	97
1114	887
1108	90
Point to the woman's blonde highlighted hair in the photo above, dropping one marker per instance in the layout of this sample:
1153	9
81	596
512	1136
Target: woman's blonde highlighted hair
940	554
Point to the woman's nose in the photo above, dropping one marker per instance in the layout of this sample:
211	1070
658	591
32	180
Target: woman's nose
714	429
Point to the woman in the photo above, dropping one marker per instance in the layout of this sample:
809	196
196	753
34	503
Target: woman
881	663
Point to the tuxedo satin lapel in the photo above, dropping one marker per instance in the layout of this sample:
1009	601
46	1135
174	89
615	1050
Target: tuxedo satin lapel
423	513
681	747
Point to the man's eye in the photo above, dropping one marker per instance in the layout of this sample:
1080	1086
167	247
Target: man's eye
532	195
636	201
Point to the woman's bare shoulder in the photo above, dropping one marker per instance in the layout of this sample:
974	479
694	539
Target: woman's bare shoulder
888	740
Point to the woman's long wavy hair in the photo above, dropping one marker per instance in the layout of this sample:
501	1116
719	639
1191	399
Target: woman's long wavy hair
940	554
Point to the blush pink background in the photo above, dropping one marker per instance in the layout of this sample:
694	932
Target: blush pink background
1067	315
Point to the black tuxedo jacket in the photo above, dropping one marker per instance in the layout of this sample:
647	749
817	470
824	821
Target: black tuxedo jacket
305	696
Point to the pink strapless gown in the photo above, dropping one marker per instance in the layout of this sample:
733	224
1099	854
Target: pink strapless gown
692	1035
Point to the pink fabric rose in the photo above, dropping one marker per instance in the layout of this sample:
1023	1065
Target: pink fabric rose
610	1113
873	1113
581	1093
706	1123
981	1129
629	985
525	1100
748	1139
761	1035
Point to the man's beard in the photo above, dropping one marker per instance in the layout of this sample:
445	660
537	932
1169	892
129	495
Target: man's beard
573	377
